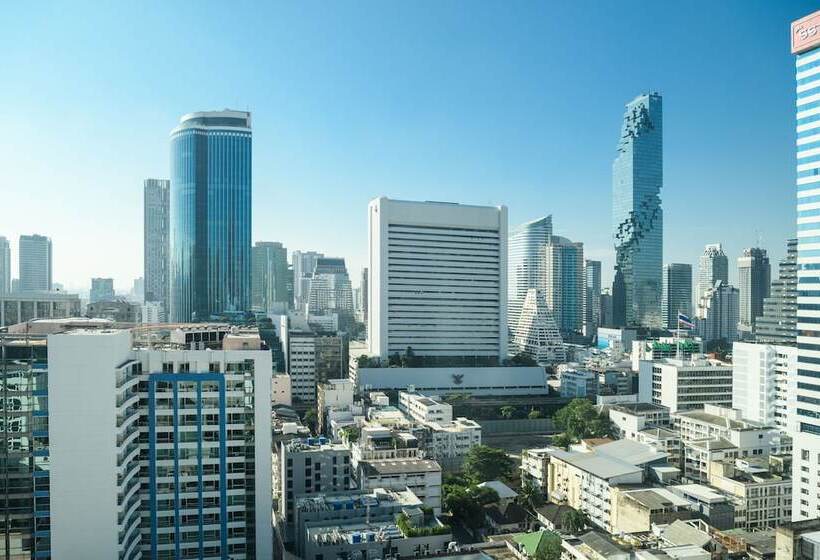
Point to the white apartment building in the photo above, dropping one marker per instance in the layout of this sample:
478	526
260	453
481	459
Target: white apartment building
425	409
762	496
438	281
631	418
421	476
448	439
765	383
166	440
299	345
685	384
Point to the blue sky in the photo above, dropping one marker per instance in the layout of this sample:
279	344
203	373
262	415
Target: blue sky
513	103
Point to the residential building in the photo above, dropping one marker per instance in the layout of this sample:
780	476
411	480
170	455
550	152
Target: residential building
718	313
5	266
535	468
778	323
798	540
637	179
526	249
754	282
421	476
759	488
153	312
631	418
578	383
716	432
269	278
764	387
210	250
677	293
332	394
157	240
424	409
303	264
102	289
713	266
637	510
419	298
806	47
309	467
35	267
592	296
563	271
685	384
299	346
708	504
20	307
536	333
168	446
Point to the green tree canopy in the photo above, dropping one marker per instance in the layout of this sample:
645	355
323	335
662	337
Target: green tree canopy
485	463
579	419
576	521
507	411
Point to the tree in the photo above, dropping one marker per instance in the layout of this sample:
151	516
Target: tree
534	414
576	521
409	358
550	548
522	359
395	360
463	506
530	495
485	463
561	440
579	419
507	412
363	361
311	420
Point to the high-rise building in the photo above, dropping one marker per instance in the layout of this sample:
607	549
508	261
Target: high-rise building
637	179
563	269
805	40
102	289
526	255
754	282
156	240
713	265
170	445
269	278
303	264
5	266
778	323
718	313
363	290
330	290
765	383
35	263
677	293
536	333
592	296
438	281
210	262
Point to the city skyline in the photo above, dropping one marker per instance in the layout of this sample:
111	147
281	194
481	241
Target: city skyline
521	144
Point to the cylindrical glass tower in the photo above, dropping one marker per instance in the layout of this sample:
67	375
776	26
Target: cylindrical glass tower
210	215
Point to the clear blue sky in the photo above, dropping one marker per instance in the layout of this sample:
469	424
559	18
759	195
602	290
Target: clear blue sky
512	103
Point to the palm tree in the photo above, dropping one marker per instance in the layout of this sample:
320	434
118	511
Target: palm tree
576	521
507	411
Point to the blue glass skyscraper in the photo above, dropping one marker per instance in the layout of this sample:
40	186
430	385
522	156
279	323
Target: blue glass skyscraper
637	178
210	215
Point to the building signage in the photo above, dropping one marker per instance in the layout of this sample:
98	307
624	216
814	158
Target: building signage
806	33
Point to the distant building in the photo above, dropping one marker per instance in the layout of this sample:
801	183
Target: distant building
330	291
269	278
438	279
153	312
524	266
677	293
713	266
683	385
35	263
157	240
5	266
118	310
20	307
718	313
102	289
592	296
563	271
765	383
303	264
536	333
578	383
778	323
364	290
637	179
754	282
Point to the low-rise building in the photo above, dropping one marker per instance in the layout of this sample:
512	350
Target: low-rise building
683	385
535	467
631	418
21	307
421	476
334	394
708	504
635	511
578	383
425	409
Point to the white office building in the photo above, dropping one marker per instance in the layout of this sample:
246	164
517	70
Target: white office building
35	263
685	384
765	383
526	248
806	47
713	265
438	281
153	452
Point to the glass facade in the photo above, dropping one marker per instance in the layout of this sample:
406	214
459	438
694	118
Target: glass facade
210	218
637	178
677	293
526	248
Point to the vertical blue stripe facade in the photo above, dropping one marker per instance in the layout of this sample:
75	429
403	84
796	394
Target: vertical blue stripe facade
199	464
152	463
177	519
223	483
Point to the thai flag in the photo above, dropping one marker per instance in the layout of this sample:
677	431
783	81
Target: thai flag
685	321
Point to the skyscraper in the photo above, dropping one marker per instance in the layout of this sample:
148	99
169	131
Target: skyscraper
5	266
677	293
438	279
303	264
269	277
102	289
754	282
563	270
778	323
526	253
805	40
35	263
330	290
537	334
592	296
363	288
210	261
156	240
637	179
713	265
718	313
